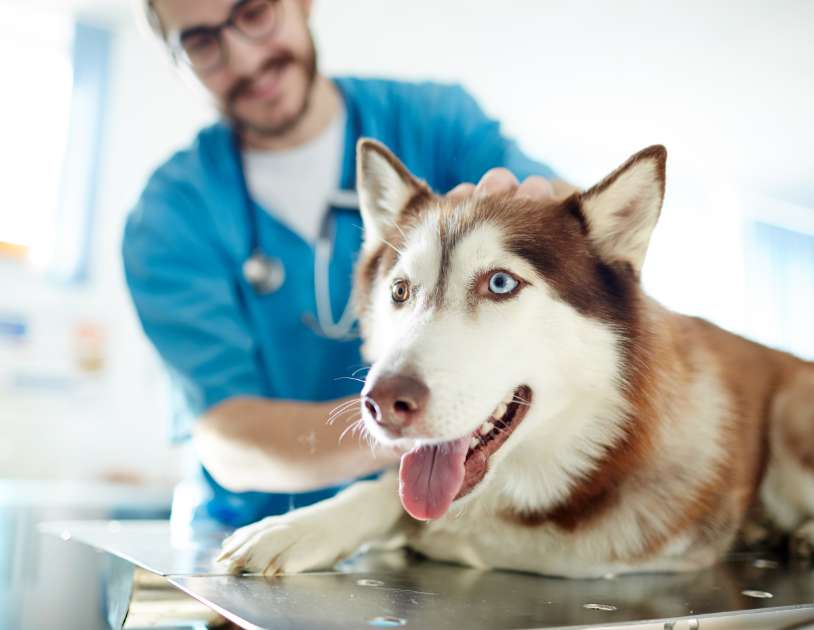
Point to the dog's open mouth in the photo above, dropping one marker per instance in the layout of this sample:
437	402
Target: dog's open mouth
432	477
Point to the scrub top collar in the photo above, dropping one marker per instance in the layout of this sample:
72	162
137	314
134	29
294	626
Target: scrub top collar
347	179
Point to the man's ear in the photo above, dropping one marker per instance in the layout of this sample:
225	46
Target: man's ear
622	210
385	188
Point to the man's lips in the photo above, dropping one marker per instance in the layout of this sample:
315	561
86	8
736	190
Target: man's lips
267	85
264	84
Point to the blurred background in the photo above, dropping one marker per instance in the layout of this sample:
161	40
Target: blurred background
90	104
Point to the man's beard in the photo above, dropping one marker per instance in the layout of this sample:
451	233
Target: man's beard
308	63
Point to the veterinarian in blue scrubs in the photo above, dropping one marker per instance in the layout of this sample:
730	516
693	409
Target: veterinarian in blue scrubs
221	250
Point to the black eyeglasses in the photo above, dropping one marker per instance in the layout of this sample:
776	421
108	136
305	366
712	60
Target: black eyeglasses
201	47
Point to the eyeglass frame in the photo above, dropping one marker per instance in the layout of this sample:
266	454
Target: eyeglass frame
175	39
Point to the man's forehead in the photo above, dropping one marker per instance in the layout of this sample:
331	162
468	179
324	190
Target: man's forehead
177	15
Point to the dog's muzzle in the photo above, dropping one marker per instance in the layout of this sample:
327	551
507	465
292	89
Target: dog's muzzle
395	402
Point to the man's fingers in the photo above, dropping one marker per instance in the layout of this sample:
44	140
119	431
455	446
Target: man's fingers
461	191
497	180
535	187
501	180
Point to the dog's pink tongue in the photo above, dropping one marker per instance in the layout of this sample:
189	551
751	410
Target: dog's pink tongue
431	477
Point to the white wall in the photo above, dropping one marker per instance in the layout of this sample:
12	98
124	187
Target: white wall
727	87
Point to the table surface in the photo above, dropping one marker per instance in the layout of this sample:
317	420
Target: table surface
392	589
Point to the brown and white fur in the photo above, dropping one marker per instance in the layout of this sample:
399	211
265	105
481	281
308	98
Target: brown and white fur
644	439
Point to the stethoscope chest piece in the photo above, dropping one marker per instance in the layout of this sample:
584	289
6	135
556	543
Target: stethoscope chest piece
264	273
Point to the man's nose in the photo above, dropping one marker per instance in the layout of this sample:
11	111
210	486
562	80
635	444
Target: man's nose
396	401
243	56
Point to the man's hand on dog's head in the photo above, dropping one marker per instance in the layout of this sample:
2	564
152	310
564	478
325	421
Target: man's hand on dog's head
501	180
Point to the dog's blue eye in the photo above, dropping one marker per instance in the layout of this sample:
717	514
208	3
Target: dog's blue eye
502	283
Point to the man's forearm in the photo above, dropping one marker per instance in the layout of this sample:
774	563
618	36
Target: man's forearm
284	446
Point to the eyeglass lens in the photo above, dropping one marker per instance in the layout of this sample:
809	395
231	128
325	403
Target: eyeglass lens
254	19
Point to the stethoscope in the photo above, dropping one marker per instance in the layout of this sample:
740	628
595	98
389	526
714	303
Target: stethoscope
266	274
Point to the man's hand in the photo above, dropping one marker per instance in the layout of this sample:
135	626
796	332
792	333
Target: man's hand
500	180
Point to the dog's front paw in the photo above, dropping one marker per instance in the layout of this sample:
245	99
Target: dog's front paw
290	543
802	542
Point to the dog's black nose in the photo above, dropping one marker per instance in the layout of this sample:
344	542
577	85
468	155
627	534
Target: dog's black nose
396	401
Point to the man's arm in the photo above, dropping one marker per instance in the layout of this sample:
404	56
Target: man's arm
188	306
285	446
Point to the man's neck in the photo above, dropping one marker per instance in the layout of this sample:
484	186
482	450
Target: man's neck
323	106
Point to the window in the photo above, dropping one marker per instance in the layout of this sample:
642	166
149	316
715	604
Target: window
53	72
780	286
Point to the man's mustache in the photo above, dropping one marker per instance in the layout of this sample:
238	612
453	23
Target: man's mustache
244	84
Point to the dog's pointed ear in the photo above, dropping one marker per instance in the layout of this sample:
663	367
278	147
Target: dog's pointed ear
622	210
385	188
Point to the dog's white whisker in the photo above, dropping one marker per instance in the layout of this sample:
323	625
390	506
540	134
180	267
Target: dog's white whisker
350	427
330	421
396	225
346	403
393	247
385	241
342	408
335	414
355	372
339	410
349	378
374	443
338	415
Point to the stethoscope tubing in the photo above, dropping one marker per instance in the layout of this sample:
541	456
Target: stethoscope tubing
266	274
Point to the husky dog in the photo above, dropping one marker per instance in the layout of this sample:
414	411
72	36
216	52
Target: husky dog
556	419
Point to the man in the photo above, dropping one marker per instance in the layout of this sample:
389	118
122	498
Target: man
260	366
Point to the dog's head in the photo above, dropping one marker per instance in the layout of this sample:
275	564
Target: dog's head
490	319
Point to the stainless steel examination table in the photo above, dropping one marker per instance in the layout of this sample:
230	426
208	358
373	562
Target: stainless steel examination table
396	589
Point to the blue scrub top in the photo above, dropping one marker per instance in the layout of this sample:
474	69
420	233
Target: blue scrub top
187	238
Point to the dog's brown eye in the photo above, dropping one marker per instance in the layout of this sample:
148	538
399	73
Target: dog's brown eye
400	291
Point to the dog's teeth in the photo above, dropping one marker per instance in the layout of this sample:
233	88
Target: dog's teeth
473	443
486	428
501	410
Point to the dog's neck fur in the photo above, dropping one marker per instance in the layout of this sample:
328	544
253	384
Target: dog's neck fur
672	426
574	460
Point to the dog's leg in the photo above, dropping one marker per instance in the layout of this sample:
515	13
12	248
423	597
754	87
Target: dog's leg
317	536
788	488
802	542
759	532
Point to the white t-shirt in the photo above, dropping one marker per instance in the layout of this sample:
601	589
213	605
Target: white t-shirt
295	184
